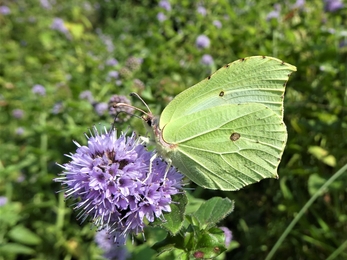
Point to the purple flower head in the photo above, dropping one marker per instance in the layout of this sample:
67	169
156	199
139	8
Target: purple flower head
161	17
333	5
4	10
121	113
228	235
165	4
217	23
19	131
133	63
57	108
103	240
100	108
207	59
113	74
343	43
275	14
111	183
46	4
119	82
201	10
18	113
107	41
58	25
138	85
87	95
299	4
3	200
87	6
125	73
111	62
202	42
39	90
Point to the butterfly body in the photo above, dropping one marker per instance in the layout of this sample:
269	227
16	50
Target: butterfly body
227	131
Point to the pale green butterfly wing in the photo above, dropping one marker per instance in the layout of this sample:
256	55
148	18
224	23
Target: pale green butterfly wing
227	147
256	79
227	131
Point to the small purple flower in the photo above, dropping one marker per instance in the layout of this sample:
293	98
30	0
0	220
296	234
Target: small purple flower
39	90
275	14
207	59
46	4
138	85
202	10
161	17
165	4
107	41
343	43
111	62
87	6
333	5
112	75
57	108
3	200
19	131
4	10
100	108
217	23
119	82
299	4
87	95
121	113
20	178
202	42
228	235
18	113
58	25
111	252
110	181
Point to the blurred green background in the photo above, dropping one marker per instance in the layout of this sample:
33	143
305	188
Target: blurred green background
61	62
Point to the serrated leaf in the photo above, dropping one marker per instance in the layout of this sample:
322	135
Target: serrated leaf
174	219
168	244
193	203
213	211
210	244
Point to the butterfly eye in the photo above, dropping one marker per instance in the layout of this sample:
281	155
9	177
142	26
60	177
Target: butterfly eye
221	94
235	136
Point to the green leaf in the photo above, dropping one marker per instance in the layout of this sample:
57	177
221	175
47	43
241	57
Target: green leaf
193	203
13	248
322	155
213	211
23	235
175	218
210	244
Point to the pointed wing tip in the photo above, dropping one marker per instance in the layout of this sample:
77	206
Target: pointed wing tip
290	67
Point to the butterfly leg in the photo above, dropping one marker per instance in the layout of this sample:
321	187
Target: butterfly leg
169	163
151	166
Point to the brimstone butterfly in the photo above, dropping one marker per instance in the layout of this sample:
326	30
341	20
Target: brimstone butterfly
227	131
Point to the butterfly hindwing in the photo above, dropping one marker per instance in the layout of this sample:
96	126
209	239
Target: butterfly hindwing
227	147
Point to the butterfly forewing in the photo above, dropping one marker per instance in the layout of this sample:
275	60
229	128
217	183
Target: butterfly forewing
255	79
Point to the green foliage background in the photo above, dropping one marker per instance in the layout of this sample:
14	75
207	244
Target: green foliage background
36	223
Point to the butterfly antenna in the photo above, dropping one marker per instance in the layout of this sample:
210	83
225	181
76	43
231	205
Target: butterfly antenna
136	108
143	102
127	105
